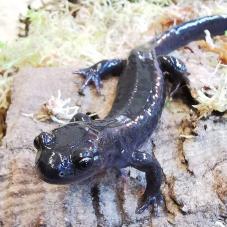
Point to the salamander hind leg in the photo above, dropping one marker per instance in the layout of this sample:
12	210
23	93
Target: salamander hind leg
175	71
147	163
94	73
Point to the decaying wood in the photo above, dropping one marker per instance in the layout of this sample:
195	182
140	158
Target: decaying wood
195	167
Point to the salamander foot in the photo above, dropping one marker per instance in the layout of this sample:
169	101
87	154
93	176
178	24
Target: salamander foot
153	200
91	75
96	72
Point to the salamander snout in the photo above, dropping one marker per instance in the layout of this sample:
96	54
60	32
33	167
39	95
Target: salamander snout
44	139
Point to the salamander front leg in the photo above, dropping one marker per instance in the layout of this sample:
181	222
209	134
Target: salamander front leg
148	164
95	73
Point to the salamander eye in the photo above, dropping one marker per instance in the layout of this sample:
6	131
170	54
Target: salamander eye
85	163
82	160
44	139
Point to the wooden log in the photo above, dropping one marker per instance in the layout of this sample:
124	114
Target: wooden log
195	186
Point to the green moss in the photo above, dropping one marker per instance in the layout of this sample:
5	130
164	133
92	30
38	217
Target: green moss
100	29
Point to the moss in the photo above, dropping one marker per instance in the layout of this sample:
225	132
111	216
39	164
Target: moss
99	29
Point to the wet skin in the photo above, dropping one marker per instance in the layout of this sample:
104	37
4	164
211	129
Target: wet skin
85	147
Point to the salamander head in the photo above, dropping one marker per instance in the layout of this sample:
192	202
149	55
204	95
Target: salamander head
67	154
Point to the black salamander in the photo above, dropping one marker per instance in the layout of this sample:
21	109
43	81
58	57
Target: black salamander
85	147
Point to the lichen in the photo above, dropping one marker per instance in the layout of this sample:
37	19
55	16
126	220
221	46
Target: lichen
217	101
56	109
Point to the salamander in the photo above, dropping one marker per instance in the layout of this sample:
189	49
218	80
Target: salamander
84	147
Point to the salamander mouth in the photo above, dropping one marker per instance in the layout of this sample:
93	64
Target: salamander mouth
52	181
47	180
37	157
51	175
